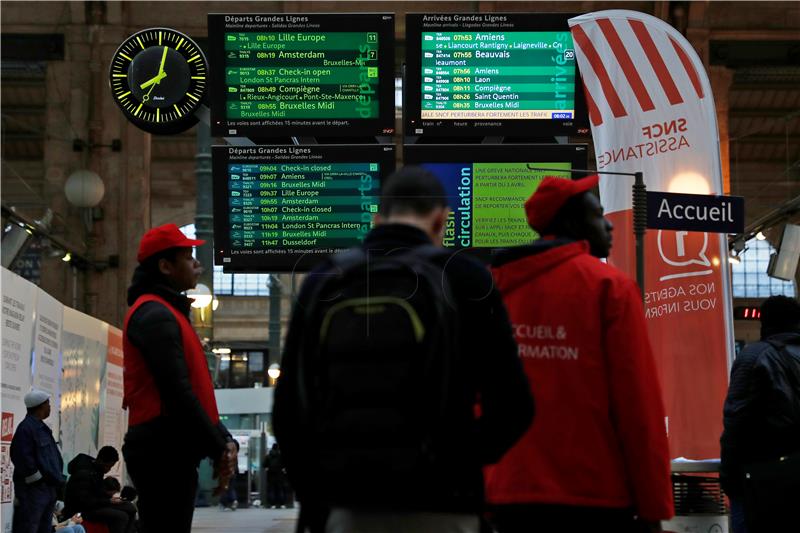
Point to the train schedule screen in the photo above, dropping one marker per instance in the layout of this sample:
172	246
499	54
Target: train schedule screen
314	72
492	74
498	75
280	208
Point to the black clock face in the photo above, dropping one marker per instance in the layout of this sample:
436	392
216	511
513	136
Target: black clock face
158	78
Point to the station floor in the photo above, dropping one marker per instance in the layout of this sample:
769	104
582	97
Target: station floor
213	520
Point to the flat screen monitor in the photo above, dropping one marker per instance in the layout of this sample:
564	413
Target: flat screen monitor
285	208
487	187
279	75
492	74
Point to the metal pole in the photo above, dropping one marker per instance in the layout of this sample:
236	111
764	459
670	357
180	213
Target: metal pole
204	218
274	327
639	225
639	211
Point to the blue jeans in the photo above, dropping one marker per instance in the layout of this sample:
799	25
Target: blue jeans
34	514
77	528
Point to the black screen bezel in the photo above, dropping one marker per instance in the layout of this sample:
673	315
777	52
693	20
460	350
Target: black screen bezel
536	128
417	154
383	125
290	262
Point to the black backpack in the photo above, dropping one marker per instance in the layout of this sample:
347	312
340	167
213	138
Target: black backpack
772	488
375	370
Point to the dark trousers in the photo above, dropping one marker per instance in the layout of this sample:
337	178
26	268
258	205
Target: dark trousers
34	514
119	518
166	483
277	490
534	518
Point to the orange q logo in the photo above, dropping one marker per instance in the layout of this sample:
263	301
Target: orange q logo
686	251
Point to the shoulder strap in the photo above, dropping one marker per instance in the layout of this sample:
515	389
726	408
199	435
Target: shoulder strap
779	345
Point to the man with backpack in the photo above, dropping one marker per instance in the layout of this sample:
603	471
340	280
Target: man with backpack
400	377
760	468
597	457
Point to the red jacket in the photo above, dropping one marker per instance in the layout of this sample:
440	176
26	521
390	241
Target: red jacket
142	396
599	437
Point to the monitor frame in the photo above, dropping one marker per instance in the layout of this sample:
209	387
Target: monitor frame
384	124
534	128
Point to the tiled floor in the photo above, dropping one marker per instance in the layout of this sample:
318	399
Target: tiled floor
212	519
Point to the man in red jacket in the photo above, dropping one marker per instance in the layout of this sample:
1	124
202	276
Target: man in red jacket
596	458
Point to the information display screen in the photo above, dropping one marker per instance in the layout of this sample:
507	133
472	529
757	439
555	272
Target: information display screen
285	208
303	74
492	74
487	187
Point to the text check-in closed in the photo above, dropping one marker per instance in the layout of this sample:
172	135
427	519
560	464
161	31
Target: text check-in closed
695	212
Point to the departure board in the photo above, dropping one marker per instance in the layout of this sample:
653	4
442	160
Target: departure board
304	74
499	73
487	187
285	208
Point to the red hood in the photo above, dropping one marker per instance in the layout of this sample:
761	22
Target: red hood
540	259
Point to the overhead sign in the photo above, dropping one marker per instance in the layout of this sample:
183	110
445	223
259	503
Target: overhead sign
695	212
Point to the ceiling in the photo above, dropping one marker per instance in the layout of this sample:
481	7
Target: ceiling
764	128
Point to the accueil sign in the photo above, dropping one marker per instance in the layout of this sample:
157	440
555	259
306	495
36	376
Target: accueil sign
695	212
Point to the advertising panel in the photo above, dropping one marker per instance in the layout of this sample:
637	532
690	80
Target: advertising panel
651	110
19	302
47	354
84	345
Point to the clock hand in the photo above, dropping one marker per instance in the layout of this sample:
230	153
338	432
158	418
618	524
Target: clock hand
161	74
152	81
163	59
155	81
146	97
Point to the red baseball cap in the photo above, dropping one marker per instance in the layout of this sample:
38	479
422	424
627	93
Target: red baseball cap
162	238
551	195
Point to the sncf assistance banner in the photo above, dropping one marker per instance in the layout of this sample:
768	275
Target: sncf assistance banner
651	110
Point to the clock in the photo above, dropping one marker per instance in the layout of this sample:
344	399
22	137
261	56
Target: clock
158	79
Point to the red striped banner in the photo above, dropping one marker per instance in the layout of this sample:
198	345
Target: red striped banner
656	61
600	71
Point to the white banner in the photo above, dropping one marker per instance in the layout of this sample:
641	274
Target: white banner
19	302
652	111
114	420
47	354
83	343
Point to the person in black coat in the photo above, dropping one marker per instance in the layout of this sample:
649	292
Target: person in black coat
486	372
86	492
761	415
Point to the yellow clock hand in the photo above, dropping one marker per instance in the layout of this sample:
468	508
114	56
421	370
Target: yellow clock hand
163	59
161	74
146	97
153	81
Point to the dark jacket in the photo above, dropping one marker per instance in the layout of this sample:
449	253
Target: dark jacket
153	330
761	416
489	373
35	455
84	492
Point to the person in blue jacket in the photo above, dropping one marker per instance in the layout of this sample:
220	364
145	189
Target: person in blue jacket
38	467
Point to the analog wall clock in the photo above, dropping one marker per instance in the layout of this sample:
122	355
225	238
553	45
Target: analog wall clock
158	79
